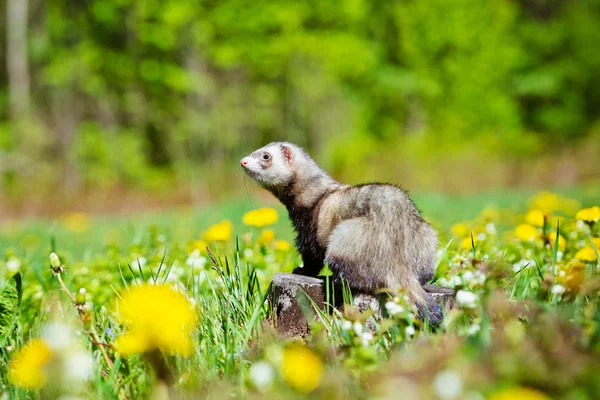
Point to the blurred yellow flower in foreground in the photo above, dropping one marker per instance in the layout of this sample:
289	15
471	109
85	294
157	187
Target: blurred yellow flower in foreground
460	230
158	318
562	242
220	232
282	245
261	217
199	245
26	368
266	236
526	232
536	218
591	214
573	277
586	254
301	368
519	393
76	222
467	244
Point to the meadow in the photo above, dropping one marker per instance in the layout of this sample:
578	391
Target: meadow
136	307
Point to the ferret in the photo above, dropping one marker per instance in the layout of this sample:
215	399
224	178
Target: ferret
371	236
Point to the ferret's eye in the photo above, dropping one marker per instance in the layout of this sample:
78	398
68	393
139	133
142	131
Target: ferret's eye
266	157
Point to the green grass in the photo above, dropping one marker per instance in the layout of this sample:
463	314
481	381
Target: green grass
527	325
185	224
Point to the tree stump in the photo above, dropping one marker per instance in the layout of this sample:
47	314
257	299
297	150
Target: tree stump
292	297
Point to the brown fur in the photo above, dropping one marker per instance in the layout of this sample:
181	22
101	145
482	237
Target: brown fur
372	236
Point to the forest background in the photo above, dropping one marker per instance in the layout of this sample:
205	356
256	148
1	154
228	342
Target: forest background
111	105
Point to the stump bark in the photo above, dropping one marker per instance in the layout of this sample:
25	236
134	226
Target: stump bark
293	297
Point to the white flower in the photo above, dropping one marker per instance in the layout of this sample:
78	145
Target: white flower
473	329
13	266
347	325
409	330
393	308
454	280
248	253
202	276
139	261
358	328
524	263
261	374
557	289
491	228
366	338
468	276
79	366
466	299
195	260
58	336
482	236
448	385
479	277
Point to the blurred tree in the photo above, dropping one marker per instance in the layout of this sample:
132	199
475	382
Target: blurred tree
164	94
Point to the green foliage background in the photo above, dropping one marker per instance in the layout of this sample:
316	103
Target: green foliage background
155	95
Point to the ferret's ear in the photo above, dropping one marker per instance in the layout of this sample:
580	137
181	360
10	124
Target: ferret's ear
287	153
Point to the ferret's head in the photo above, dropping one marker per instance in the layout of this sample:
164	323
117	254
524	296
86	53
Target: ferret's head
272	165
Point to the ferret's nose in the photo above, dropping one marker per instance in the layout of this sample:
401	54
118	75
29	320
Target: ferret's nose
244	162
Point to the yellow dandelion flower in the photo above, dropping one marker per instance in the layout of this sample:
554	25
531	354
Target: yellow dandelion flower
586	254
526	232
76	222
556	220
536	218
261	217
562	242
460	230
466	243
596	242
550	202
572	275
301	368
158	318
220	232
282	245
266	237
519	393
591	214
490	214
546	201
26	369
199	245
